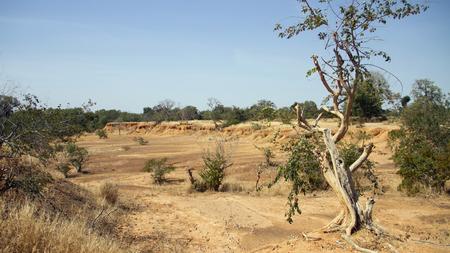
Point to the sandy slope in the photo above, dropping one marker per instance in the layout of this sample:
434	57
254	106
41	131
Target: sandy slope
169	218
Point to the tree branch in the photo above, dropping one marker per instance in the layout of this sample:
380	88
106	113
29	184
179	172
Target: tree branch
367	150
322	76
302	122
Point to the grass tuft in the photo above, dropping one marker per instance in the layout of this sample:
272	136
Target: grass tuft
26	229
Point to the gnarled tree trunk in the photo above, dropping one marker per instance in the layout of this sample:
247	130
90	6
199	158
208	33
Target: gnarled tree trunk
339	177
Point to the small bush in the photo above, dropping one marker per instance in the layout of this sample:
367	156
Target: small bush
109	192
256	126
101	133
159	168
77	156
267	164
214	165
424	166
140	140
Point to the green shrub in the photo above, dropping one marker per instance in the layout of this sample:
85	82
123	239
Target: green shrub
256	126
424	167
302	165
234	116
77	156
285	115
422	145
214	165
159	168
267	164
101	133
302	168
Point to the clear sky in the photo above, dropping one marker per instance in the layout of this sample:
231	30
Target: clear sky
131	54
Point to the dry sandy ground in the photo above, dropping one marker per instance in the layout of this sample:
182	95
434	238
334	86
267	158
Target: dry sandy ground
170	218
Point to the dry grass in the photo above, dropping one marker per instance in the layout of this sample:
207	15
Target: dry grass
109	192
27	229
233	187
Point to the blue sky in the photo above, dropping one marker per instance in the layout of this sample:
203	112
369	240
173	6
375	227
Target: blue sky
131	54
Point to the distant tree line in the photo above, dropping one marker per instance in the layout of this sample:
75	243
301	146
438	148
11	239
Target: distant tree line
217	112
370	100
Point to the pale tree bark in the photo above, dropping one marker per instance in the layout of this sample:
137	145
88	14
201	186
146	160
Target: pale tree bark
352	215
346	39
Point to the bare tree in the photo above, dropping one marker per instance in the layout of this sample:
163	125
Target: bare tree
346	31
216	109
164	108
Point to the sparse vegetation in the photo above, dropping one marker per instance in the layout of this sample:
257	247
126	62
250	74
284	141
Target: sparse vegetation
77	156
323	156
159	168
16	174
140	140
101	133
232	187
64	168
109	192
256	126
27	229
264	166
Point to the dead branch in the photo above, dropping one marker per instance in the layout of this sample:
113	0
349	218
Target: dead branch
317	119
302	122
367	150
191	177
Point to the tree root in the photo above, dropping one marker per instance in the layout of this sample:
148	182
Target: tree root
335	225
311	238
429	242
355	246
392	248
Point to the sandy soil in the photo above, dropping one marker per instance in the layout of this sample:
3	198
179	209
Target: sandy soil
170	218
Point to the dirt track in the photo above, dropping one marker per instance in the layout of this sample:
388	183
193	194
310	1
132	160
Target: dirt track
169	218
